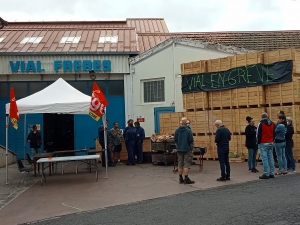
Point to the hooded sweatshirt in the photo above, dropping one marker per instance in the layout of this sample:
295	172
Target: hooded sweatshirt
184	139
265	131
280	131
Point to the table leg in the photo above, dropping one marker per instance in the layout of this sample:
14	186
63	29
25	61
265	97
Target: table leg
50	165
90	165
96	165
34	167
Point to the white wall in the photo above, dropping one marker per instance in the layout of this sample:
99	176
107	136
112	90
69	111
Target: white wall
163	64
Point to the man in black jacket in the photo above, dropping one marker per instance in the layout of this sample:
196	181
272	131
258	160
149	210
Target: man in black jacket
223	136
35	140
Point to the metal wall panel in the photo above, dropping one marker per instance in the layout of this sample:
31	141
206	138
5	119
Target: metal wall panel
119	63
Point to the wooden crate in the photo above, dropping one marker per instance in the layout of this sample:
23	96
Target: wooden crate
227	116
284	92
240	123
194	67
290	111
220	99
296	149
195	101
283	55
245	59
249	96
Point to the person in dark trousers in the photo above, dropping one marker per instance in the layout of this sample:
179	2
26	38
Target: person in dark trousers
223	136
291	166
280	112
140	133
35	140
280	131
130	137
101	131
265	136
184	143
251	144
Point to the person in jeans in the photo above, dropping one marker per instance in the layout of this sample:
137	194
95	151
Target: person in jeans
280	131
280	112
265	135
184	143
223	136
116	134
251	145
291	167
140	133
35	140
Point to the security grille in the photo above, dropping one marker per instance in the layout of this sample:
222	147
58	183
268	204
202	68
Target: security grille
154	91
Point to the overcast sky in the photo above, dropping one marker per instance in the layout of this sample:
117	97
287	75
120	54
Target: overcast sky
180	15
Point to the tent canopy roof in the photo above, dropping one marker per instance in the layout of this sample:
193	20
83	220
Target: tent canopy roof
59	97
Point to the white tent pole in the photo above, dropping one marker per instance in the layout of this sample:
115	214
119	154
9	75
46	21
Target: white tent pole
105	142
6	151
24	137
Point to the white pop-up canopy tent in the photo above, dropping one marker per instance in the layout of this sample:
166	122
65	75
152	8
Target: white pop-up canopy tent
59	97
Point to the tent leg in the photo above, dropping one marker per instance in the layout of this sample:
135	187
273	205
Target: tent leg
6	150
106	176
24	137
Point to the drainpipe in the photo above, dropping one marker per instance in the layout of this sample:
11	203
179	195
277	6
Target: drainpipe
174	75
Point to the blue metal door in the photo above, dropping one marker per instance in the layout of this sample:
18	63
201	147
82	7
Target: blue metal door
157	112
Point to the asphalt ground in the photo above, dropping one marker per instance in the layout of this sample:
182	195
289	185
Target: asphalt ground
269	202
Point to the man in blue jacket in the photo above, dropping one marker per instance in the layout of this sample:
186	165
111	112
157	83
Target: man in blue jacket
101	131
140	133
184	142
223	136
130	137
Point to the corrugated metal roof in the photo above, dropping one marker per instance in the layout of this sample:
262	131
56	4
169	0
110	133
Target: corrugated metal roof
253	40
127	43
142	25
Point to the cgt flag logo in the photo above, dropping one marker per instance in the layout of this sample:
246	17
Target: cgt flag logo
13	110
98	103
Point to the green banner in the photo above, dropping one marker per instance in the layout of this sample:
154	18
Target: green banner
239	77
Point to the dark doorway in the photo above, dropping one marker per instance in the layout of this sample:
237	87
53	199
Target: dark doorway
58	132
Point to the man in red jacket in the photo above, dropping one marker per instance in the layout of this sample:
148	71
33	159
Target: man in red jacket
265	137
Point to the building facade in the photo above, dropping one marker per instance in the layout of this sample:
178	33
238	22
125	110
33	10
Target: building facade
155	78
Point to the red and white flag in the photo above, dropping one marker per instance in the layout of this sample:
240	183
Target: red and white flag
98	103
13	110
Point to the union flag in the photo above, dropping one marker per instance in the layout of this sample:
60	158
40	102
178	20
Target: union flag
98	103
13	110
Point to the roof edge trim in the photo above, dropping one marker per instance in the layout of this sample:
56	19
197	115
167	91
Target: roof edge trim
65	53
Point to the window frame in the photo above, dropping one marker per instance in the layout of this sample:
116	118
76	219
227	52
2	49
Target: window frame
143	90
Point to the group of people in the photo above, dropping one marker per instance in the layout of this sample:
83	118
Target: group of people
275	142
133	135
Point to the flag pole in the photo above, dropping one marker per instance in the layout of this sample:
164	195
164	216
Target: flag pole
24	137
105	141
6	149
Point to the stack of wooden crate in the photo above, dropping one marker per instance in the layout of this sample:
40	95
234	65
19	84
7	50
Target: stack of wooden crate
232	106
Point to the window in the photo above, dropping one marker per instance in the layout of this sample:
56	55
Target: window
116	87
3	90
20	89
34	40
70	40
101	84
2	38
37	86
79	85
154	91
111	39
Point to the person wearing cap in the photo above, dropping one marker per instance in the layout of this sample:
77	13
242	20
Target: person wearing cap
222	138
130	137
184	143
140	133
35	140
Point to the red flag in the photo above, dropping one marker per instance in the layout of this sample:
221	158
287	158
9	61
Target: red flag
98	103
13	110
